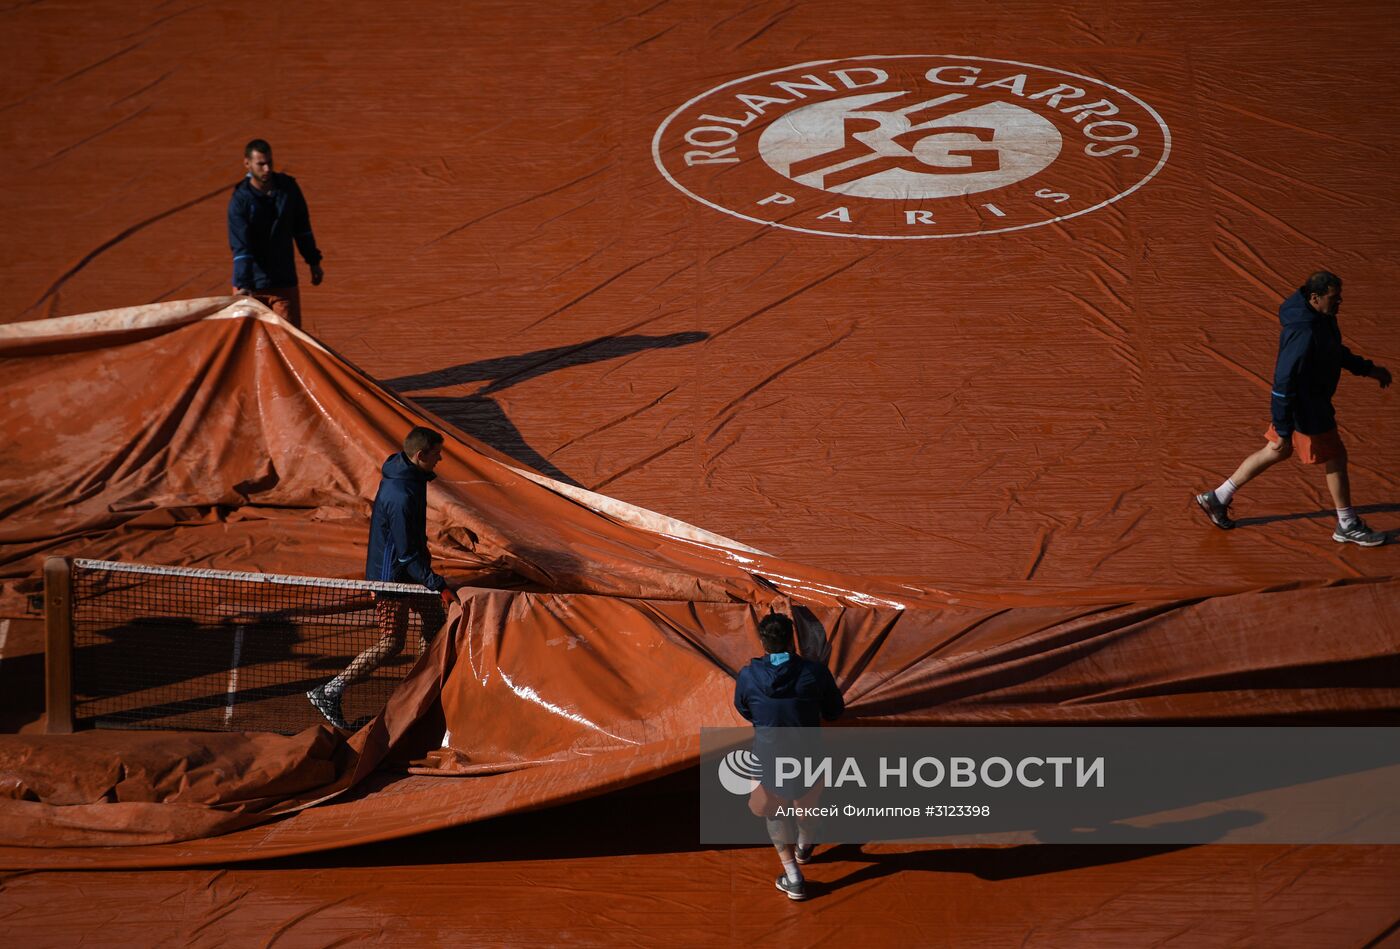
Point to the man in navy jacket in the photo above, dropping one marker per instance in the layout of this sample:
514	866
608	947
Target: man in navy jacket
785	691
398	553
267	216
1311	357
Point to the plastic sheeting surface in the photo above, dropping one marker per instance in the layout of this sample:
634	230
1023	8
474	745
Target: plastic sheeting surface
1000	432
1025	407
623	641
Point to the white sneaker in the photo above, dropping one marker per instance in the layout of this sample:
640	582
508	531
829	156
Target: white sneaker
329	706
794	891
1358	533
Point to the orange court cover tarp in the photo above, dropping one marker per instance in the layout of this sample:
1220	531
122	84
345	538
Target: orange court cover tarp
953	421
616	636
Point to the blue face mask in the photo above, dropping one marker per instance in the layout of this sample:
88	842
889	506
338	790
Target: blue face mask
777	658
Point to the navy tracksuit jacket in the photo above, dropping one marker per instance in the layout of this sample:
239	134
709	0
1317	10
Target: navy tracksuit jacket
398	528
263	229
1311	357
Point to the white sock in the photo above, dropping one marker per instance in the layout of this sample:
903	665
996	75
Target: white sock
804	837
1225	492
794	874
1346	516
335	687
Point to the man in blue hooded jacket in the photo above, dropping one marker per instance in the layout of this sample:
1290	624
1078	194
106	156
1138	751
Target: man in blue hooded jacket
398	553
1311	357
267	217
783	690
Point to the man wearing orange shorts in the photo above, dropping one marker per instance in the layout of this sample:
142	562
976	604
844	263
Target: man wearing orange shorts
784	694
1311	357
398	553
267	218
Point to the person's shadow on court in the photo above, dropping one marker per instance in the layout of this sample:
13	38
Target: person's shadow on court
1391	536
480	416
985	863
1093	847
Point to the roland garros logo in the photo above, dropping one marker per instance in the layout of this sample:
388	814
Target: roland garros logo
908	147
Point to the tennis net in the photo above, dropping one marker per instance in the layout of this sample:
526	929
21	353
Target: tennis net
187	648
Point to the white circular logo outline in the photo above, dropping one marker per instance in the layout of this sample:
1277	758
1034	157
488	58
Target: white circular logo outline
661	130
739	771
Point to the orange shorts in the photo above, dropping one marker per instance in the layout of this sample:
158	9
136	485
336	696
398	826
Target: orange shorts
284	301
1313	449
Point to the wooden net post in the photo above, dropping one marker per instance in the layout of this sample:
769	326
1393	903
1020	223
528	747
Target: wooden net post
58	651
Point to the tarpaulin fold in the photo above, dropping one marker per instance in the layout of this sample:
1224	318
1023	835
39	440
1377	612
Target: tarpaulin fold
212	433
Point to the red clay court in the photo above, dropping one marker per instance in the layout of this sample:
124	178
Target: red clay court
704	343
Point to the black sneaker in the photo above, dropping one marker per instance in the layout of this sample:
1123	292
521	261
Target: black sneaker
329	706
804	854
1218	513
794	891
1358	533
